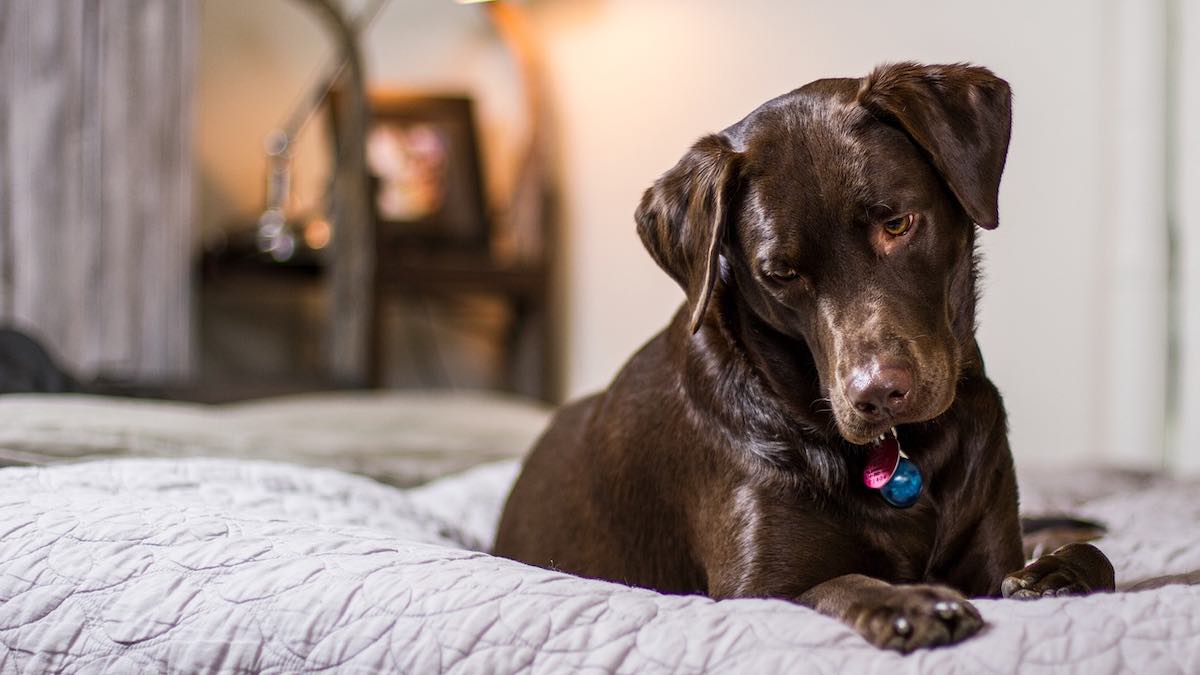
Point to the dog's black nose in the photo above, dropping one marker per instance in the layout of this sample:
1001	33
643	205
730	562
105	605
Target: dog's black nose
880	389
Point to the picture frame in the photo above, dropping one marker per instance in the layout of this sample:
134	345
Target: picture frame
426	174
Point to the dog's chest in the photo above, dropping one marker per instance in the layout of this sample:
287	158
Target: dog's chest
798	537
903	541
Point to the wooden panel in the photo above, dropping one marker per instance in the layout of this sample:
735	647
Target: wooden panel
96	181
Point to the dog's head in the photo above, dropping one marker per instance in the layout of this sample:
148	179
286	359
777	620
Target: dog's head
842	216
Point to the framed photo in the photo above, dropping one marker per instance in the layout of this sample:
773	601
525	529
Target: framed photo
423	156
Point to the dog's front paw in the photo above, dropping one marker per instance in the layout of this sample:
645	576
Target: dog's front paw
1074	569
905	618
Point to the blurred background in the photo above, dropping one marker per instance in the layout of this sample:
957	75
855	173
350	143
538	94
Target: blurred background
224	199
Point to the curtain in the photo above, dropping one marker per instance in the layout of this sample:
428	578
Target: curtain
96	181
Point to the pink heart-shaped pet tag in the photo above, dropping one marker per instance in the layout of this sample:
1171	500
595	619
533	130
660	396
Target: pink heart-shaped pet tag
882	460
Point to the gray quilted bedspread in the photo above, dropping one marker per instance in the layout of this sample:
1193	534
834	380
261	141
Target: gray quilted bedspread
205	565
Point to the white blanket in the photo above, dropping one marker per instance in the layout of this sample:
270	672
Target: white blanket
200	565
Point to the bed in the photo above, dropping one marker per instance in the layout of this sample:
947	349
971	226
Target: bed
211	556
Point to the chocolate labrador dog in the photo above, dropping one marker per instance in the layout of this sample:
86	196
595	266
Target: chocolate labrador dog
815	423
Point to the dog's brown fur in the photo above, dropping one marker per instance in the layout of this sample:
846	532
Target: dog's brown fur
725	457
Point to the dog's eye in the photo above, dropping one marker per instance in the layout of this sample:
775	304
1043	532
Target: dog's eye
780	275
898	227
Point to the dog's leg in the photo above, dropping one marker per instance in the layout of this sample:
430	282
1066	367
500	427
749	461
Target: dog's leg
904	617
1074	569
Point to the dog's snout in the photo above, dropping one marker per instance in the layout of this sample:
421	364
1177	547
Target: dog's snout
880	390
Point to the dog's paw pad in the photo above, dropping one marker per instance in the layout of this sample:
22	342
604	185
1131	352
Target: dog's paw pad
912	617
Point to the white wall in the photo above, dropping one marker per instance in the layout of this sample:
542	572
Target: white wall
255	60
1133	284
1186	139
636	81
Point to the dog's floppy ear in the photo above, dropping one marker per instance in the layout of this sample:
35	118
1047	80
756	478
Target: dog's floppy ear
960	115
682	219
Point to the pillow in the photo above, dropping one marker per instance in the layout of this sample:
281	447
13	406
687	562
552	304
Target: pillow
402	438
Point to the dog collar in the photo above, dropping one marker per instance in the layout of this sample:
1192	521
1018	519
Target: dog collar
890	471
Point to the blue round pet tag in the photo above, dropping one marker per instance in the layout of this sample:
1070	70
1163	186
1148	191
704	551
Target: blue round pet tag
905	486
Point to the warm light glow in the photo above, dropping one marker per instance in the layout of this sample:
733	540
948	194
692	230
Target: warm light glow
317	234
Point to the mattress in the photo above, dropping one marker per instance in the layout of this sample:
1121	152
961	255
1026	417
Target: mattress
242	566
